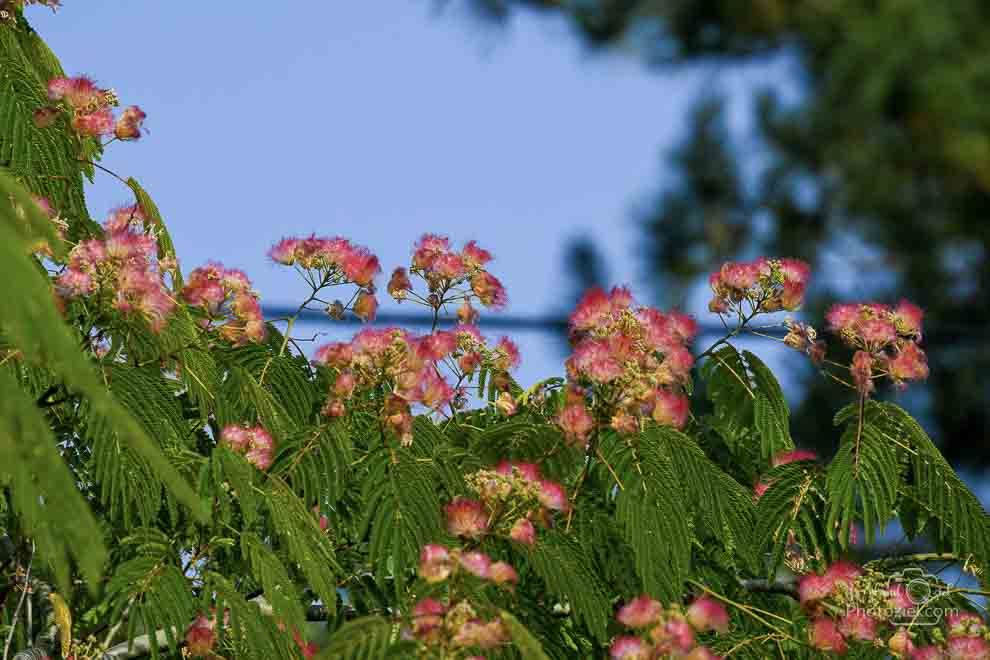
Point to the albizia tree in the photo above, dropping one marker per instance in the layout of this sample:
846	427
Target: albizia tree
180	479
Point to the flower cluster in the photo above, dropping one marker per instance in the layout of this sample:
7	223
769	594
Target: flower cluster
512	496
964	636
633	360
332	262
254	443
201	637
764	285
409	368
226	298
450	277
849	604
90	106
667	633
886	340
121	267
457	624
437	563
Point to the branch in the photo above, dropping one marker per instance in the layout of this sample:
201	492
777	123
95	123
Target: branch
786	588
24	591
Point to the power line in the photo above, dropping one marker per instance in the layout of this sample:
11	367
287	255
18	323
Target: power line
507	322
944	335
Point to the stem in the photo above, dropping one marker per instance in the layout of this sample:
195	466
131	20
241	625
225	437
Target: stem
859	434
108	171
20	603
754	612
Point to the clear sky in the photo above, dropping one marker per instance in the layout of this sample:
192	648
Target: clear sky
380	120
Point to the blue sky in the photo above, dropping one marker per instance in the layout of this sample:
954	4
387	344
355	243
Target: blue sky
380	121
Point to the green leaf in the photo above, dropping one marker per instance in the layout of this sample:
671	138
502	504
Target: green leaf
528	646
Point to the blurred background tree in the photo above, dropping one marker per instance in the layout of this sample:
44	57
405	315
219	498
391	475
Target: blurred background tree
883	161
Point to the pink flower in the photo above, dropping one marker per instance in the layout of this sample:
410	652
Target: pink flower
640	612
593	309
674	637
967	648
876	332
428	248
366	306
899	598
813	588
671	409
399	284
740	275
200	637
345	384
794	456
508	354
909	363
843	572
466	517
489	290
502	573
478	633
529	471
825	636
552	496
94	124
759	489
432	390
593	358
628	647
80	92
476	563
862	371
128	125
523	532
427	619
261	452
858	625
708	614
337	354
702	653
284	252
236	437
360	266
475	256
907	318
434	563
843	316
963	624
449	266
436	346
900	644
620	298
928	653
676	367
682	325
576	422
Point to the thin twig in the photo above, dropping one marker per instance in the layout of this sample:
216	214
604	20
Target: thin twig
20	603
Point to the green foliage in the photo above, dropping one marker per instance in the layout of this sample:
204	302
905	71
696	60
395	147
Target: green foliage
362	639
